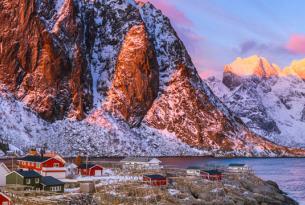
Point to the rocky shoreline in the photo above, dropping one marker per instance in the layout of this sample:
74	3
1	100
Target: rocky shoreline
234	189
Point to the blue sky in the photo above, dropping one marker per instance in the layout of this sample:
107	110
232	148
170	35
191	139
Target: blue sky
217	31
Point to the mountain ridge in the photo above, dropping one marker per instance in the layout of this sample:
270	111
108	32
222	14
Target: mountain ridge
270	106
90	96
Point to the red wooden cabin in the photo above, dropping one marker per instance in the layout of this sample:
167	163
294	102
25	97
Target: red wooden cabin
46	166
213	175
90	170
4	200
155	180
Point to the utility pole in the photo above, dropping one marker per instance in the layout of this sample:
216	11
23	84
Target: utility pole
87	164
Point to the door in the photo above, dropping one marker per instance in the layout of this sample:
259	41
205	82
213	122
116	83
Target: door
98	173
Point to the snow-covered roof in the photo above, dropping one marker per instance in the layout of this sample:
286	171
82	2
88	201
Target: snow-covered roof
4	168
72	165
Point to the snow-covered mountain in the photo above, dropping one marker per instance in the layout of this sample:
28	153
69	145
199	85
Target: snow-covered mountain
110	77
270	100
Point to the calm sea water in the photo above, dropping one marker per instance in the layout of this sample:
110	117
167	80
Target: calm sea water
289	173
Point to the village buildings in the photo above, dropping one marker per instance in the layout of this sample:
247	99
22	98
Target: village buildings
46	166
4	199
71	170
193	171
52	184
141	163
213	175
238	168
3	172
31	180
155	180
24	180
90	169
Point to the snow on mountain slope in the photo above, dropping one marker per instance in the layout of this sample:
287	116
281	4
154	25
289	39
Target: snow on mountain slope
111	77
24	129
271	106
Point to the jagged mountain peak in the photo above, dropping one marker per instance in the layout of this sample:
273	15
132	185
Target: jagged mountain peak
296	68
252	66
260	67
270	106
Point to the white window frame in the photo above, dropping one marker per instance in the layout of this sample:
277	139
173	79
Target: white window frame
37	180
56	165
28	181
56	188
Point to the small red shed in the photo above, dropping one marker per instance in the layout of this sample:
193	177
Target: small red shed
155	180
213	175
4	200
90	170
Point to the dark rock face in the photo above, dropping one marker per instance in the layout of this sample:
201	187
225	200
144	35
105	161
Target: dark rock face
303	115
35	65
188	112
136	79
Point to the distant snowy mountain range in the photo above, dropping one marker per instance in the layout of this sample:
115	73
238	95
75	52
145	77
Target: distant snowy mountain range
270	100
110	78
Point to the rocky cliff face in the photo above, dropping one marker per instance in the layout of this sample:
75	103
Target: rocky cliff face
136	79
35	64
120	66
272	105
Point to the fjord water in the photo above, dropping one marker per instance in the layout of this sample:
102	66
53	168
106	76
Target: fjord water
288	173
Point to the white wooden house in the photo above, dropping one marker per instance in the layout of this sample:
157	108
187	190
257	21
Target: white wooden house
141	163
3	172
238	168
71	169
193	171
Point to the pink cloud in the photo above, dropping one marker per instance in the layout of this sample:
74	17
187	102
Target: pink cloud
296	44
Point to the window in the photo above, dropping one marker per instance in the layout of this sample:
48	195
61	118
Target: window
56	164
28	181
37	180
56	188
38	165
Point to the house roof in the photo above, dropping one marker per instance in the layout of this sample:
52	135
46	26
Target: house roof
5	196
5	168
51	181
138	159
72	165
28	174
34	158
236	165
213	172
155	176
89	165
